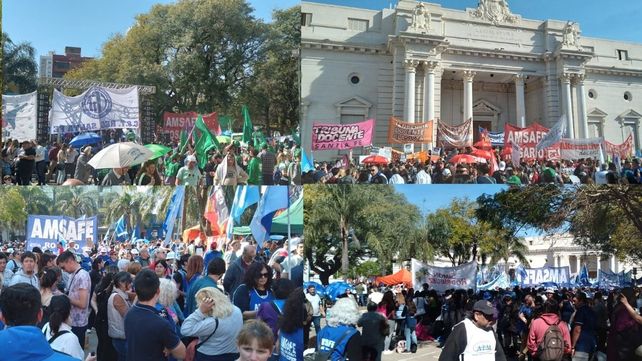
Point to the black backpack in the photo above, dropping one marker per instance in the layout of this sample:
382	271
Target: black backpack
552	346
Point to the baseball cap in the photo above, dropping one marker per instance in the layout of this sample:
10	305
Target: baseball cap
502	165
134	251
191	158
484	307
171	255
549	290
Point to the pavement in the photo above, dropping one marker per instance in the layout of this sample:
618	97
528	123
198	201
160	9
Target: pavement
425	351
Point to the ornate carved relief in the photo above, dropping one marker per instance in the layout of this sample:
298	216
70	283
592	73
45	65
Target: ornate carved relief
411	65
571	37
495	11
421	20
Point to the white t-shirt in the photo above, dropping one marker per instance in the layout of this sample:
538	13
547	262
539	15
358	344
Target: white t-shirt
67	343
600	177
316	303
71	155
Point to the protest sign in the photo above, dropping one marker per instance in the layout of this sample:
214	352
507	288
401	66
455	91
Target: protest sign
572	149
96	108
623	150
19	116
173	123
610	280
456	136
535	277
342	136
46	231
402	133
444	278
527	139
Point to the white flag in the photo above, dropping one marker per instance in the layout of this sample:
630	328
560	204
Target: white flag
516	154
95	109
20	116
554	135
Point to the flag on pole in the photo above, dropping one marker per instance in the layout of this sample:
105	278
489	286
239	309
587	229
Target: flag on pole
516	154
601	155
244	197
225	122
554	135
248	129
273	199
216	211
182	141
203	142
174	210
121	229
306	164
583	277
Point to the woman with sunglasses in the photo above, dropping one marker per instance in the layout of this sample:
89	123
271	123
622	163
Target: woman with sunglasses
254	290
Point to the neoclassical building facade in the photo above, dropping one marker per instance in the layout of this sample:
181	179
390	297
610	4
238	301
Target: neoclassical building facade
420	61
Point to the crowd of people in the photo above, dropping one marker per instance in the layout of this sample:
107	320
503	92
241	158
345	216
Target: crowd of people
31	162
441	170
153	301
517	324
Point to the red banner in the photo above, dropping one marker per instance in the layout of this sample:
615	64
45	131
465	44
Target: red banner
624	150
527	139
173	123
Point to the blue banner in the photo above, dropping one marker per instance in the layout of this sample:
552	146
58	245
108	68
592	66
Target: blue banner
536	277
46	231
173	212
610	280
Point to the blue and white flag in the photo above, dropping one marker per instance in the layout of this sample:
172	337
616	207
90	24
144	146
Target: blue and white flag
306	163
175	209
95	109
244	197
20	116
120	230
554	135
274	198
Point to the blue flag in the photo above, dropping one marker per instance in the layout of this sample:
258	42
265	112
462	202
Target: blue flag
274	198
120	230
174	210
306	164
583	277
244	197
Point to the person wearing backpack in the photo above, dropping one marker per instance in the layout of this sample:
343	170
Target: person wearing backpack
340	340
58	330
549	338
473	339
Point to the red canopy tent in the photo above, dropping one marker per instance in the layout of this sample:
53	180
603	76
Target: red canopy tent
403	276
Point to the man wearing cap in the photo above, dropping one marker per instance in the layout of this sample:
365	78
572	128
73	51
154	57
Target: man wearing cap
189	174
473	339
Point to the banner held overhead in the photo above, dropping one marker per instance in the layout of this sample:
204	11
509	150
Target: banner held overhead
342	136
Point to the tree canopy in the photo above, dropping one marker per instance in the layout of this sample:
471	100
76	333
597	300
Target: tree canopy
20	73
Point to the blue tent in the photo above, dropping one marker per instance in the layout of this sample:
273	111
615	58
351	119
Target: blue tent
336	289
320	289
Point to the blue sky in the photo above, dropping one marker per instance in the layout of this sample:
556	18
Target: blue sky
52	25
614	19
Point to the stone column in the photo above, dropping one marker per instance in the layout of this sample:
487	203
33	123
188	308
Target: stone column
469	75
581	106
409	110
568	104
579	263
521	103
613	264
599	263
429	90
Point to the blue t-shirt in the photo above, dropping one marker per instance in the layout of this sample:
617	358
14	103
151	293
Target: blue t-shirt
291	345
330	335
148	334
585	317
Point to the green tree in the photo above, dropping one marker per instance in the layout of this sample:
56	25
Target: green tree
36	200
13	214
198	53
76	201
20	68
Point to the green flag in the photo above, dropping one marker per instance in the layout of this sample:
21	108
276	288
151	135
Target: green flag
182	141
225	121
248	129
203	142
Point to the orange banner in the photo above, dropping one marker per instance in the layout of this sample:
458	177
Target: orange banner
409	133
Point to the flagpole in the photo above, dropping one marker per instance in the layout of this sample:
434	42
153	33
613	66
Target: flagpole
289	236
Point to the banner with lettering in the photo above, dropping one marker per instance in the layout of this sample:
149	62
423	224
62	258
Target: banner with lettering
20	116
573	149
527	139
403	133
610	280
97	108
173	123
342	136
623	150
46	231
444	278
540	277
455	136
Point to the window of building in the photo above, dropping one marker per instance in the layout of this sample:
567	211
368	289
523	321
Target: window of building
632	125
357	24
61	65
306	19
623	55
592	94
628	96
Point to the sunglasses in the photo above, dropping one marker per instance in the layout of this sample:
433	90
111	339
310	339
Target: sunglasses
264	275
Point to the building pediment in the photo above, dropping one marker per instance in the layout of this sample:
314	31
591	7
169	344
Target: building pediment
630	114
483	106
354	102
597	112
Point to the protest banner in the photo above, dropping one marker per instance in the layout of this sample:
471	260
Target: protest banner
342	136
573	149
456	136
95	109
173	123
610	280
535	277
20	116
527	139
444	278
46	231
403	133
623	150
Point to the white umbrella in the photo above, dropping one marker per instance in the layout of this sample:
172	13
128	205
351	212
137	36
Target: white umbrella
120	155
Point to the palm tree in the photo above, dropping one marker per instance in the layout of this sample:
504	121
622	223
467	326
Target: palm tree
76	201
36	200
505	246
20	68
